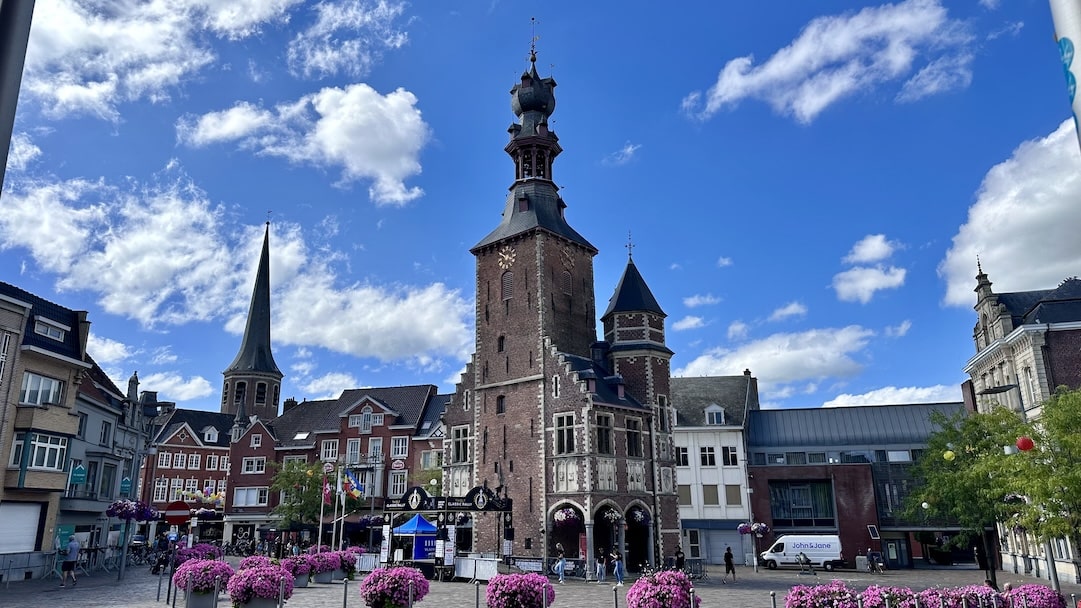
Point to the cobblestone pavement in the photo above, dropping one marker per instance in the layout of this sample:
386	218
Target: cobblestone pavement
139	589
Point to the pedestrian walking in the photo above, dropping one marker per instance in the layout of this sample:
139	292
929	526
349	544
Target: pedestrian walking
729	565
602	564
70	559
617	566
681	559
561	561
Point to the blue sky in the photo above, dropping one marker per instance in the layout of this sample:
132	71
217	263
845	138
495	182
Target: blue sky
807	184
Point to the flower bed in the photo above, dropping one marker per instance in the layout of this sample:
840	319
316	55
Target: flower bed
519	591
254	561
838	595
668	589
389	588
201	575
327	561
260	581
198	551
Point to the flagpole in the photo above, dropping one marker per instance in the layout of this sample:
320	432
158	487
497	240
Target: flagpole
322	507
334	517
341	498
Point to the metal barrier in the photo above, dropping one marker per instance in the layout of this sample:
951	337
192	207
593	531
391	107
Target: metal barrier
23	566
476	568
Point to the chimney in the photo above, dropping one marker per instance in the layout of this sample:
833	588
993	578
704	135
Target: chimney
289	404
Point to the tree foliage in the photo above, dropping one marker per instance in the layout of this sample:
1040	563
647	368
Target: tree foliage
302	487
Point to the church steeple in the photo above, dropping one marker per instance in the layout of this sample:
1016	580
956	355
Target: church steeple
253	380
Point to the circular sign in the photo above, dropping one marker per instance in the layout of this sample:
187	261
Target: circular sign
397	465
177	513
328	467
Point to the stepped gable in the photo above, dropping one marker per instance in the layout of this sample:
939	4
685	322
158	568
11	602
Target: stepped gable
607	386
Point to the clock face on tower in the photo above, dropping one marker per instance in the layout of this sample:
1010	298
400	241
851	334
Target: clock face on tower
506	257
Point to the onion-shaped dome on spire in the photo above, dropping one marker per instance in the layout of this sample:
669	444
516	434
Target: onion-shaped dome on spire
533	94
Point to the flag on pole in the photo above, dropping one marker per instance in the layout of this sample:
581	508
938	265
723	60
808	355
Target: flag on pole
326	490
351	485
340	489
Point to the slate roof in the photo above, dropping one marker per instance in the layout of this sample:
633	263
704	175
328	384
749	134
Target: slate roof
100	388
632	294
544	212
197	420
836	426
69	347
324	415
255	354
1059	305
432	415
691	396
607	387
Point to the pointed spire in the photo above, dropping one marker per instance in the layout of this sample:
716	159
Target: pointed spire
255	354
632	294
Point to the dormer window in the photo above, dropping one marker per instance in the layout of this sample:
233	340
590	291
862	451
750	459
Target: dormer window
50	329
210	435
715	414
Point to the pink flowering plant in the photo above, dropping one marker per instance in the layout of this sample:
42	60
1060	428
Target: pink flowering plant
202	575
566	517
198	551
297	566
668	589
885	596
312	550
1035	596
837	595
389	587
254	561
327	561
260	581
744	528
520	591
834	595
131	509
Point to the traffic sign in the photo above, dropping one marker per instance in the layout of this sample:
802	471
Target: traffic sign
328	467
177	513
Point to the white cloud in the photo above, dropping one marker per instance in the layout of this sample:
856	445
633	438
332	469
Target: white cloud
697	300
786	362
737	330
162	257
172	386
22	152
990	4
860	284
835	57
163	355
348	37
622	156
897	331
871	248
328	386
369	135
106	351
792	309
723	261
944	74
1010	29
1023	223
688	322
894	395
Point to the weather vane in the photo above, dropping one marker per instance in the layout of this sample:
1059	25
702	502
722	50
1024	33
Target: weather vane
630	246
533	40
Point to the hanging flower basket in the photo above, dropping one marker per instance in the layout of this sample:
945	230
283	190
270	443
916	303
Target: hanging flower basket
205	514
640	516
612	516
759	529
131	509
566	518
744	528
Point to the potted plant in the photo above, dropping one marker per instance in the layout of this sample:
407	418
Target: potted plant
323	565
254	561
260	587
834	595
566	518
520	591
671	589
391	587
198	551
202	579
300	568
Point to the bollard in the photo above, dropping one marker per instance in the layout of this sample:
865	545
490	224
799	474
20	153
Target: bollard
615	596
345	593
410	604
476	584
281	592
773	599
217	589
887	601
964	602
693	605
859	602
941	602
1024	602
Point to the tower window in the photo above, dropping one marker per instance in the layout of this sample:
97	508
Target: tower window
260	392
225	395
241	390
567	283
500	404
277	393
508	285
501	343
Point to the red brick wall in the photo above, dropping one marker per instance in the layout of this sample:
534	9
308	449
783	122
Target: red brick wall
1064	352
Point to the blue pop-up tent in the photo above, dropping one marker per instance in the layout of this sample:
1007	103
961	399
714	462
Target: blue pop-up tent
423	533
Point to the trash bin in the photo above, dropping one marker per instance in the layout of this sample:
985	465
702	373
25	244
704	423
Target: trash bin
861	563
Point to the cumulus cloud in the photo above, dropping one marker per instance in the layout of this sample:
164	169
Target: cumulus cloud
697	300
23	151
106	351
871	248
788	362
737	330
837	56
172	386
622	156
368	135
688	322
860	284
1022	225
894	395
897	331
164	256
347	37
328	386
792	309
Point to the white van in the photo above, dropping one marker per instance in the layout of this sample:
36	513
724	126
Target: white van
822	550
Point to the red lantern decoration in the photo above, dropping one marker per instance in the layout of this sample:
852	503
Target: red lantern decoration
1025	443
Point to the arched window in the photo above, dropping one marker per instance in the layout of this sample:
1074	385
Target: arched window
241	390
568	284
260	392
500	404
501	343
508	285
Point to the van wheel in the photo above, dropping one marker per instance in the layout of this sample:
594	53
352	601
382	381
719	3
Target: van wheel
828	566
772	565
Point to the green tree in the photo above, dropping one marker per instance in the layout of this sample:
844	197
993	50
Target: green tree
302	492
964	475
